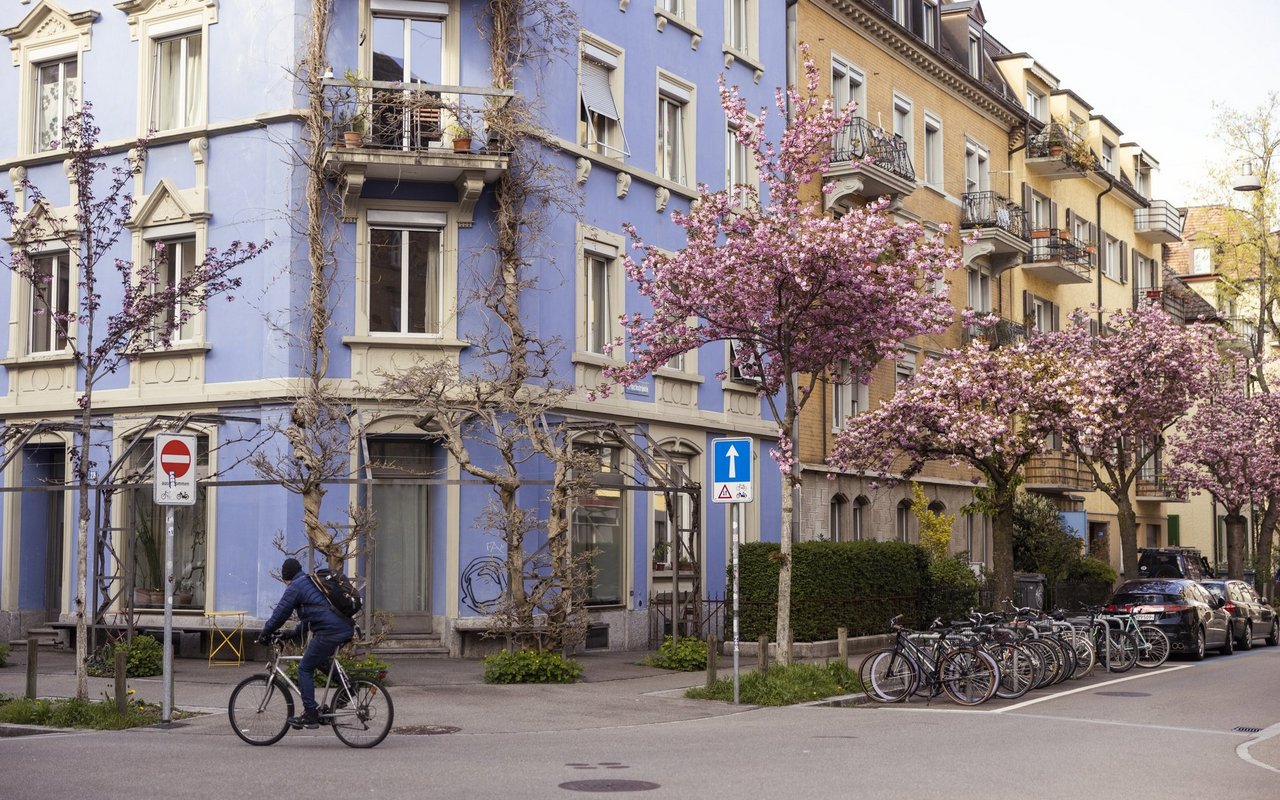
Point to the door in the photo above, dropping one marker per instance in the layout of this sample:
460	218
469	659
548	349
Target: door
400	574
43	529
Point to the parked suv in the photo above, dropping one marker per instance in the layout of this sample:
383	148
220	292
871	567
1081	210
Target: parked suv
1250	615
1173	562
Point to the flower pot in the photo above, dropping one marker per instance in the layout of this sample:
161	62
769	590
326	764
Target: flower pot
352	138
183	598
1040	233
462	144
1055	150
142	597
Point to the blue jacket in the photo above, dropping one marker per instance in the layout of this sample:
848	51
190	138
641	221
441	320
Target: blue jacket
314	612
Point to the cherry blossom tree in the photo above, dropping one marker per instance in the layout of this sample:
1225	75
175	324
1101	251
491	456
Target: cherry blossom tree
797	290
96	339
984	408
1143	375
1230	447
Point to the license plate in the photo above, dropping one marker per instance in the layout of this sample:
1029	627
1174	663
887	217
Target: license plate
1145	617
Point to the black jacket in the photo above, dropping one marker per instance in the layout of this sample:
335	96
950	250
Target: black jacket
314	612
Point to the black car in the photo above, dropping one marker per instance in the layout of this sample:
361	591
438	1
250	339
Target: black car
1183	610
1173	562
1251	616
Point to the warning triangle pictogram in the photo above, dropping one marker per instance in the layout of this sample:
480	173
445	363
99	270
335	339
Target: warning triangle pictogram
724	493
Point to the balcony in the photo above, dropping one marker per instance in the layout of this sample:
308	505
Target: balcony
1057	152
1244	332
868	162
1003	332
1157	489
1000	226
410	132
1058	471
1058	257
1161	222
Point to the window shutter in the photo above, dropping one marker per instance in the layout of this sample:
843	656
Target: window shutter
1053	214
596	93
1071	223
1028	309
1026	202
1098	237
1055	311
1124	262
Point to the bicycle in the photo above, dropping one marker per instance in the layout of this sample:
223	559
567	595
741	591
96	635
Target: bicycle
930	664
359	709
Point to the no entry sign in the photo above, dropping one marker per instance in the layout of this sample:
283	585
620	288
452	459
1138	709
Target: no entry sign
175	474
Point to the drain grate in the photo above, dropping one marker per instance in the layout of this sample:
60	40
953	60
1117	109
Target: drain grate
425	730
609	786
1124	694
1246	729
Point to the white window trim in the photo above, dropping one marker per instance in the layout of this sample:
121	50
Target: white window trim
934	161
847	387
46	34
405	216
850	70
929	22
902	102
977	159
1112	258
612	58
150	22
752	34
64	259
752	176
611	246
675	89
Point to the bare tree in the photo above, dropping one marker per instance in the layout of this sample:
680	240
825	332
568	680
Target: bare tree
98	341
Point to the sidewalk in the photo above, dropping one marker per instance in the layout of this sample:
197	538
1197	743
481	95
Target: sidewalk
450	693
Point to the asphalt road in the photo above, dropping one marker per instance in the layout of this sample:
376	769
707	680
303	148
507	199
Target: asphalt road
1161	734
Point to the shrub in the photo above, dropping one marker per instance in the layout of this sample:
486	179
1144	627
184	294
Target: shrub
144	657
780	686
953	590
1092	570
73	713
4	654
935	528
1041	541
368	667
530	666
686	655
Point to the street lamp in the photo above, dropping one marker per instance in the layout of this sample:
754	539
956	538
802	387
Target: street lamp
1247	180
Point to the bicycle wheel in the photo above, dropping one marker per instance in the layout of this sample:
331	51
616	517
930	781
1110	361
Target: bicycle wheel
1153	648
1066	656
260	708
888	676
1050	661
363	718
1017	670
1122	649
1086	656
969	676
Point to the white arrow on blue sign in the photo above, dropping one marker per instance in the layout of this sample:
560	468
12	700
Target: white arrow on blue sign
731	470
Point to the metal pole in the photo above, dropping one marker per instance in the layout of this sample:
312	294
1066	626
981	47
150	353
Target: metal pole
736	515
166	714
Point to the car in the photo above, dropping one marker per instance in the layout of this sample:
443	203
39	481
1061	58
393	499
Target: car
1192	618
1173	562
1251	616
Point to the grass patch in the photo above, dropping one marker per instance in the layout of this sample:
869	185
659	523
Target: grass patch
72	713
784	686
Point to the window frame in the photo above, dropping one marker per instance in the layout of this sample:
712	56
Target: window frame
180	101
680	95
68	105
191	329
596	243
934	152
1201	261
408	217
849	395
59	337
46	34
616	465
595	55
742	27
929	22
854	80
745	190
904	113
977	167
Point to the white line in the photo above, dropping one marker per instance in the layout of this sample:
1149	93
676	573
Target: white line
1090	687
1090	721
1242	749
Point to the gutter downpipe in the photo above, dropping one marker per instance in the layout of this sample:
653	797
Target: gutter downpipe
1097	236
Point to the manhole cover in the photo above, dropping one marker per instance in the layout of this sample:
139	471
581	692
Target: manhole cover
1245	729
1124	694
425	730
608	786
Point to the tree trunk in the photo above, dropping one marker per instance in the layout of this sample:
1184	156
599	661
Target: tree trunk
783	630
83	583
1127	520
1264	571
1237	529
1002	548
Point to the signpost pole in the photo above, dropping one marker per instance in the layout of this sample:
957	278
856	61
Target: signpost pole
736	512
166	714
174	484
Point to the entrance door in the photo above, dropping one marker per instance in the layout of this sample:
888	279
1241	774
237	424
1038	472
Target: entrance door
43	528
401	573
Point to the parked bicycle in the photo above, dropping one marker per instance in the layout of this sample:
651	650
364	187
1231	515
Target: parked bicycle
358	708
929	663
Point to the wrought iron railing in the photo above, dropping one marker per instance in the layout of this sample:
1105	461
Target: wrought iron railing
1158	487
993	210
1056	141
1002	332
410	118
1244	328
1054	244
861	140
1160	216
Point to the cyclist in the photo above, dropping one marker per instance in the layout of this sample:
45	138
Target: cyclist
329	631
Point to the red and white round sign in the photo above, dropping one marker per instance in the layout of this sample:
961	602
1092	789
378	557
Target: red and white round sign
175	458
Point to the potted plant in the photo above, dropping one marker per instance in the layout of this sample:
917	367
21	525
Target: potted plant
151	563
353	136
661	549
462	134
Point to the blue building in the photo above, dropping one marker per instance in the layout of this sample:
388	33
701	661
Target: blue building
632	125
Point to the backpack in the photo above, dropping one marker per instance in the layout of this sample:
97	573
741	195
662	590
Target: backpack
339	591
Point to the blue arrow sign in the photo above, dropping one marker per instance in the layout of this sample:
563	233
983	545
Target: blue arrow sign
731	470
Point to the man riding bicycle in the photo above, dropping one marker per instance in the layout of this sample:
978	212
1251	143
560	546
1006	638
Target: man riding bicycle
329	630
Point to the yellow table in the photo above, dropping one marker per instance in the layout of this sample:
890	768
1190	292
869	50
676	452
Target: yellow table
226	638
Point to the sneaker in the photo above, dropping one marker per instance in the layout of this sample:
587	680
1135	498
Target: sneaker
307	719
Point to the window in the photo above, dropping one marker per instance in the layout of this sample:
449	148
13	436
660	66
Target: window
740	168
49	304
741	374
599	526
599	117
599	291
902	120
900	12
405	294
1146	273
933	151
904	369
681	512
903	521
675	8
1113	260
57	96
849	395
674	128
979	288
1201	261
147	522
929	23
408	516
1109	157
977	168
848	85
835	518
177	82
1036	104
740	26
408	48
173	260
599	308
975	53
856	528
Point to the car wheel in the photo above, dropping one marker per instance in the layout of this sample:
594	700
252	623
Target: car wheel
1273	638
1197	649
1246	642
1229	643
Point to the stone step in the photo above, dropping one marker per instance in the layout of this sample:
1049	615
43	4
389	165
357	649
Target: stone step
45	637
410	644
412	652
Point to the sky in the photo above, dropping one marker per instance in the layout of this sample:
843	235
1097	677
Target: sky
1154	68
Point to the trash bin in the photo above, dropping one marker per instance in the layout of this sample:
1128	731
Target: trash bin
1028	588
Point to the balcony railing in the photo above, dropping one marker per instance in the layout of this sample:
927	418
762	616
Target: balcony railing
861	140
411	117
1161	222
1159	488
992	210
1055	244
1003	332
1058	470
1244	328
1057	141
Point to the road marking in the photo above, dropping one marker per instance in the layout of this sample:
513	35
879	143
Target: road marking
1092	721
1090	687
1242	749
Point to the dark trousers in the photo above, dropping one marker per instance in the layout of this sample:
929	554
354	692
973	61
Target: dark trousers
317	656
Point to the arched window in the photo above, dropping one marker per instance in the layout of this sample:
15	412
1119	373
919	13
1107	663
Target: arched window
904	521
856	524
835	524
